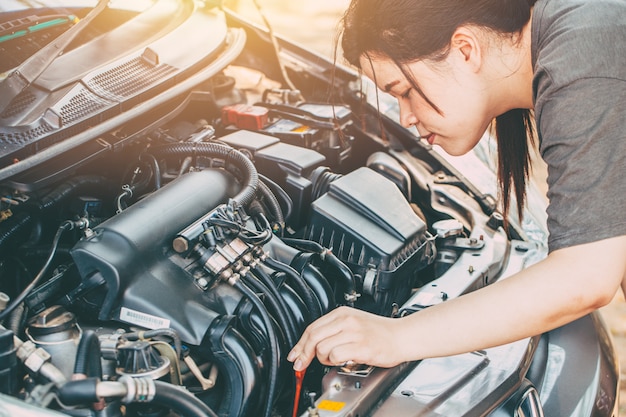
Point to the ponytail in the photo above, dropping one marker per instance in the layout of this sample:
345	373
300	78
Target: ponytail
514	133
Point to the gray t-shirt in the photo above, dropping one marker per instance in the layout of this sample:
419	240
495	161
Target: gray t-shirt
579	59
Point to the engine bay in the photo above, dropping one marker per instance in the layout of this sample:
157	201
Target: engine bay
197	245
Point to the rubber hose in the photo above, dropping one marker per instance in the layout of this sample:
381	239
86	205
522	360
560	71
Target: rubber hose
69	187
267	280
273	348
180	400
14	226
16	320
272	203
301	287
277	190
272	298
251	180
88	356
328	257
156	170
165	394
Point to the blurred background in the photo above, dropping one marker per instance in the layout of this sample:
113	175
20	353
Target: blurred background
312	23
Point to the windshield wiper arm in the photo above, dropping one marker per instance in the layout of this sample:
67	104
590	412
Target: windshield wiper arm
24	75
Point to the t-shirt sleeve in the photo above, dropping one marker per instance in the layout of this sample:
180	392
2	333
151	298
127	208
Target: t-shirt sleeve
583	130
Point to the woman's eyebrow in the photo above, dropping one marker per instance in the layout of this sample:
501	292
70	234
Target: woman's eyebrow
389	86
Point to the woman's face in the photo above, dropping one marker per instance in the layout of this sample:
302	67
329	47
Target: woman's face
457	92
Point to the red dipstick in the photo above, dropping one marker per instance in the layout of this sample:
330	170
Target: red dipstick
296	399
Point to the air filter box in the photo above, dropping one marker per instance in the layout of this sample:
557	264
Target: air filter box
368	223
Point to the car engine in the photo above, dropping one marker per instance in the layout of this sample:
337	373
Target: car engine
169	268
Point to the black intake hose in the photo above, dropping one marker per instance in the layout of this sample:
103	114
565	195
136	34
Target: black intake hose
88	356
267	280
216	150
300	285
15	226
236	360
179	400
329	257
276	304
273	352
71	187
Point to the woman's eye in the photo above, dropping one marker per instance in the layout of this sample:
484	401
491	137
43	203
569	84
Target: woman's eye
406	93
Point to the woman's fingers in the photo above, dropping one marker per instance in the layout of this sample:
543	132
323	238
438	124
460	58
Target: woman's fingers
346	334
305	350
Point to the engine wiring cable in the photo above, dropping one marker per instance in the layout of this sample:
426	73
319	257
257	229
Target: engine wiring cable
66	225
276	47
230	218
273	342
142	175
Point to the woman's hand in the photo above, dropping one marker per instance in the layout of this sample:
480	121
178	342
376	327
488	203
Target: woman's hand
567	285
347	334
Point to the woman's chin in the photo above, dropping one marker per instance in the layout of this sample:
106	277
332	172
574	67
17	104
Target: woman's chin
455	150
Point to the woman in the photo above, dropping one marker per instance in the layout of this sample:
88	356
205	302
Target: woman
455	66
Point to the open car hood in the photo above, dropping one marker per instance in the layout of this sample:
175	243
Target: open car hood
99	85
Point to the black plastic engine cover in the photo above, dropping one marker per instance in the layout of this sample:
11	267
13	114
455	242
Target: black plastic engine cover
368	223
132	252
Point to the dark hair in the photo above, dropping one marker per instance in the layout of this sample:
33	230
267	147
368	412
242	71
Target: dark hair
409	30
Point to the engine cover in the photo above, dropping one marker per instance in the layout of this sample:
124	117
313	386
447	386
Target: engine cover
131	250
367	222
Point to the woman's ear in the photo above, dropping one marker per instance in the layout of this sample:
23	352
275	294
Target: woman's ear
465	45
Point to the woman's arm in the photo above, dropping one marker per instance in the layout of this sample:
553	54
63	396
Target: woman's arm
568	284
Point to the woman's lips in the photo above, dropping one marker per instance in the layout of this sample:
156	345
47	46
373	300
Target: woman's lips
430	138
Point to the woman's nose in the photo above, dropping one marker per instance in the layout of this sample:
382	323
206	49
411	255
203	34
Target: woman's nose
407	117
